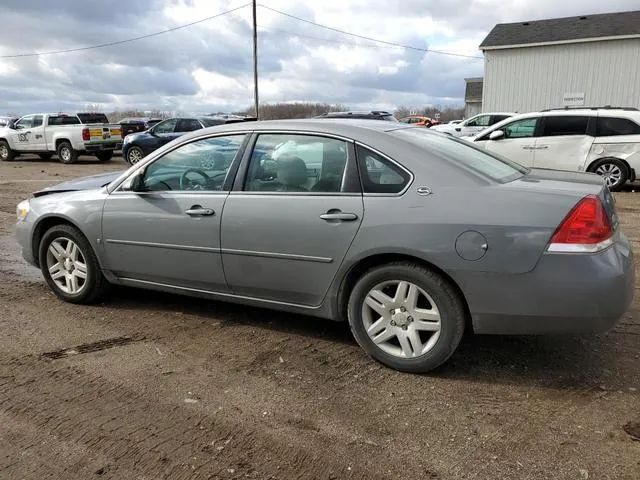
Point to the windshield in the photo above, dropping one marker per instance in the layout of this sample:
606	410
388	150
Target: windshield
487	164
87	118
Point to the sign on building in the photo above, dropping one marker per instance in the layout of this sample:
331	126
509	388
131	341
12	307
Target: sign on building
573	99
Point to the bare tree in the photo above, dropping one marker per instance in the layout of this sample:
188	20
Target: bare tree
274	111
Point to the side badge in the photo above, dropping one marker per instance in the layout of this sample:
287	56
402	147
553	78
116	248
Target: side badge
424	191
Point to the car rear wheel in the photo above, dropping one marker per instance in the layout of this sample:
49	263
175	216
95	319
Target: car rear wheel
104	156
6	154
614	171
69	265
66	153
134	155
406	316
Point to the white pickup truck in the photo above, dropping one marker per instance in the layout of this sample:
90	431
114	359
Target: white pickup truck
67	136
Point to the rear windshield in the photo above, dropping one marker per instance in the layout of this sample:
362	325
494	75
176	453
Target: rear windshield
487	164
93	118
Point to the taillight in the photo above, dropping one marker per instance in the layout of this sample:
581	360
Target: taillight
85	135
586	229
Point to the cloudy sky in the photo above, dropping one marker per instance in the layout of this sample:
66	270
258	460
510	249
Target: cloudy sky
208	66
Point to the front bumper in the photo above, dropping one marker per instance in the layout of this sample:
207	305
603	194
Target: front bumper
565	293
24	234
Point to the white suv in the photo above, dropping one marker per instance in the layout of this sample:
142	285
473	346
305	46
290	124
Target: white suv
473	125
601	140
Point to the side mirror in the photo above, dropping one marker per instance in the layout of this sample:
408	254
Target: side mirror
458	129
151	131
134	183
496	135
17	126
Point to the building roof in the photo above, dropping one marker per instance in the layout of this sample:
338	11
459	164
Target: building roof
563	30
473	92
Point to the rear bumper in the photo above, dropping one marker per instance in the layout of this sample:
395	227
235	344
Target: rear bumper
102	147
565	293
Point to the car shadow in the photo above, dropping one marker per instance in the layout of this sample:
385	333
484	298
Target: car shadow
601	362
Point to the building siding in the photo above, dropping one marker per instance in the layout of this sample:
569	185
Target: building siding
534	78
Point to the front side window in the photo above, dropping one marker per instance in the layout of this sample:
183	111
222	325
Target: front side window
525	128
479	121
297	163
612	126
168	126
564	125
25	122
197	166
37	121
378	174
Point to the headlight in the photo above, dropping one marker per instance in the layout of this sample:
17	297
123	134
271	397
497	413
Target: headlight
126	139
22	210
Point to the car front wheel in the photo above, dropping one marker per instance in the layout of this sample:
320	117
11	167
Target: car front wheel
406	316
69	265
6	154
134	155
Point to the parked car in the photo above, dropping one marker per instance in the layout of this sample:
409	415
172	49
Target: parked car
410	236
419	121
7	121
472	125
601	140
136	146
454	122
68	136
138	124
361	115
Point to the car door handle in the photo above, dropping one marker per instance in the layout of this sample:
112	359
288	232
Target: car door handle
542	147
345	217
198	211
528	147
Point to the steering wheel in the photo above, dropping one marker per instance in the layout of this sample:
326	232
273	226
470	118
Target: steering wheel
184	181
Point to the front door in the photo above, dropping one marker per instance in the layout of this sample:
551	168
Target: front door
563	143
23	137
473	125
518	143
289	222
168	230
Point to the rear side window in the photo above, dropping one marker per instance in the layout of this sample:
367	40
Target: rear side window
63	120
378	174
565	125
612	126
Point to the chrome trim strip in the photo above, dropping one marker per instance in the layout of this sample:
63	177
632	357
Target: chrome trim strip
255	193
217	294
559	248
171	246
282	256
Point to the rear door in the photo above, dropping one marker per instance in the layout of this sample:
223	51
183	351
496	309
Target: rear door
518	143
563	143
294	211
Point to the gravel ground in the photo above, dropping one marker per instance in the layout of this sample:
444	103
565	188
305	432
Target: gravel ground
149	385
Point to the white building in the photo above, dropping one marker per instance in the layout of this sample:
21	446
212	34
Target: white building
592	60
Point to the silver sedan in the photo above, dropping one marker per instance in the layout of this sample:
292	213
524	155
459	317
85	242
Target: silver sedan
410	236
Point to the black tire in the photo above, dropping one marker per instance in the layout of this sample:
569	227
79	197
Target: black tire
449	304
45	156
6	154
66	153
104	156
94	286
134	155
602	166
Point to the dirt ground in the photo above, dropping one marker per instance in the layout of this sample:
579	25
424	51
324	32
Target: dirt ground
149	386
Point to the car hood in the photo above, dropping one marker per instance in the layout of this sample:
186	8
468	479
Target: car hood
83	183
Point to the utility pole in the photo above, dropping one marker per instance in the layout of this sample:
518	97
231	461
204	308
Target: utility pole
255	59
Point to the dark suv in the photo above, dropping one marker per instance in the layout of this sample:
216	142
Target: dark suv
136	146
370	115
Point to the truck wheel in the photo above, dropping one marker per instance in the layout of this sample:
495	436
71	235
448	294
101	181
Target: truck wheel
6	154
45	156
104	156
66	153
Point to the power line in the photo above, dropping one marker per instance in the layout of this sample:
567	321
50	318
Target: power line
120	42
408	47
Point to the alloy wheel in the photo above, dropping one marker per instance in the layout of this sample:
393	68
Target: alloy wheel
65	153
134	156
401	319
611	172
67	265
4	152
